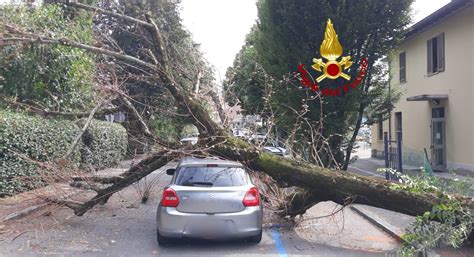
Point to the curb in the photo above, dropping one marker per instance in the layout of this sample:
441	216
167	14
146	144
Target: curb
375	220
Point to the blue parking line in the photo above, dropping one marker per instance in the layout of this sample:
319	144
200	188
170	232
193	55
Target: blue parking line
278	243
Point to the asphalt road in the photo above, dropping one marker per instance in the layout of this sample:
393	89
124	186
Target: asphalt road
125	227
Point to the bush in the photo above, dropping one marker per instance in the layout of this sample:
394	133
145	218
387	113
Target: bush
31	137
104	143
24	137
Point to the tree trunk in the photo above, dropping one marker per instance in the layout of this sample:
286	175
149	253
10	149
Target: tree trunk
322	184
220	110
337	186
350	145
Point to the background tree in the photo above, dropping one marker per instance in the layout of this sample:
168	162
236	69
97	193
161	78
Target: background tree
245	81
289	33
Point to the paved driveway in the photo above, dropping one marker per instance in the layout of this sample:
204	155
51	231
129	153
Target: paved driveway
125	227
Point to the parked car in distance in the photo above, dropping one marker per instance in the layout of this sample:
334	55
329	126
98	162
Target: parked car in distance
209	198
190	139
274	148
258	136
240	133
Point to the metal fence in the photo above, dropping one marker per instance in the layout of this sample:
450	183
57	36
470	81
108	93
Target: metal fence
393	155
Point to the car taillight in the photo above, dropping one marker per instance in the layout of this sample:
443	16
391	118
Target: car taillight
170	198
252	197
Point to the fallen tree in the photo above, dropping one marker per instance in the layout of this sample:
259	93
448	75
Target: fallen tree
321	184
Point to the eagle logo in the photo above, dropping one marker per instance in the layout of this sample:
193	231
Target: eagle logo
331	49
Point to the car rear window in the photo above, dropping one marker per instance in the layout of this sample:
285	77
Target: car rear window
211	176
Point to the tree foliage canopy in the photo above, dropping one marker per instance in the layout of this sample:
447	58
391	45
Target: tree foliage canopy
54	77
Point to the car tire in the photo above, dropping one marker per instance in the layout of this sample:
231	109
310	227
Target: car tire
256	239
163	241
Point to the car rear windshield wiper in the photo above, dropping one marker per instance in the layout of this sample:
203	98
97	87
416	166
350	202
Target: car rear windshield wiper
203	183
198	183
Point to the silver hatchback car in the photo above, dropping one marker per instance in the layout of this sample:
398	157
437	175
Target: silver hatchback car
211	199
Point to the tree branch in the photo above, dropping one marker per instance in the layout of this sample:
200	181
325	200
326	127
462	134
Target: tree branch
69	115
102	11
133	175
51	41
220	110
159	44
84	128
98	179
86	185
132	108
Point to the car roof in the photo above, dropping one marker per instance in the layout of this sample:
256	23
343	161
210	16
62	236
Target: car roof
196	161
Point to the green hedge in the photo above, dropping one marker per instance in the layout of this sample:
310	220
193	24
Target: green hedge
36	138
104	143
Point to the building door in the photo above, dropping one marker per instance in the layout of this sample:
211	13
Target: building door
438	138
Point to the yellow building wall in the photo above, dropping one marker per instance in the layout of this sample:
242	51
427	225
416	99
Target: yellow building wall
456	81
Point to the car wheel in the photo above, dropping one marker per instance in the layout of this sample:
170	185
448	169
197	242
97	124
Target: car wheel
256	239
163	241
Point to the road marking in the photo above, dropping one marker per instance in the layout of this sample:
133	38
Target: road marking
278	243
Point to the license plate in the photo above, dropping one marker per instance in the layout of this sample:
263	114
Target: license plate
210	229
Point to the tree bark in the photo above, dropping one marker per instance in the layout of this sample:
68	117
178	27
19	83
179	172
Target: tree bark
333	185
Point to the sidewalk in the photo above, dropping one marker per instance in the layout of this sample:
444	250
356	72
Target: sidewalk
394	223
369	166
346	229
22	204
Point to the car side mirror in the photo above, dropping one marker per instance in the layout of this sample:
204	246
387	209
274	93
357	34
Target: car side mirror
170	171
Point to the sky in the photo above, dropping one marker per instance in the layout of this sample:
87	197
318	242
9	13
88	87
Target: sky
220	26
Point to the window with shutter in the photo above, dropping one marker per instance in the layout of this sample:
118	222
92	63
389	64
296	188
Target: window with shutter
380	130
440	51
435	54
402	65
430	56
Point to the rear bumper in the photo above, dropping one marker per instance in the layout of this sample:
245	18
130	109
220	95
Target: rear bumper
175	224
